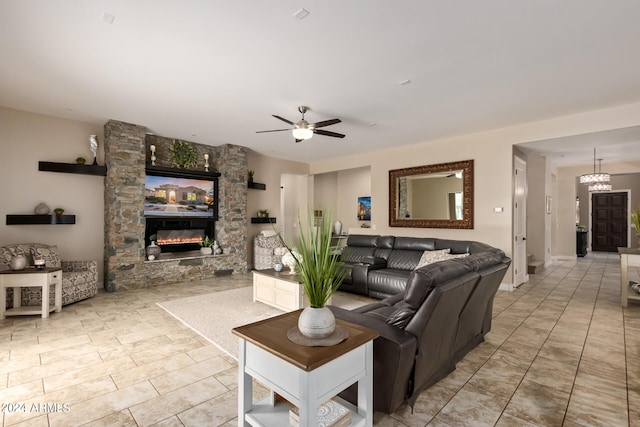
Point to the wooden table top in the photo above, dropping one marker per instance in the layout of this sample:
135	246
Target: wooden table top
271	335
629	251
31	270
281	275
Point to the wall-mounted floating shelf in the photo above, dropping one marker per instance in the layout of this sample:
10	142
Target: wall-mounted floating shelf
180	173
263	220
40	219
256	185
72	168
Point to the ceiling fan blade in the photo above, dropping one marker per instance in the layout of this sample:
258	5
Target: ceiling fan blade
326	123
283	119
328	133
275	130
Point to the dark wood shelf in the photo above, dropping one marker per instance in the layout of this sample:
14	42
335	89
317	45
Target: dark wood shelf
256	185
40	219
72	168
263	220
180	173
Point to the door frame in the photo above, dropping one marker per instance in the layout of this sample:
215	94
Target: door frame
519	164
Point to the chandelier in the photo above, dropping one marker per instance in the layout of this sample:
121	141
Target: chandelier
597	181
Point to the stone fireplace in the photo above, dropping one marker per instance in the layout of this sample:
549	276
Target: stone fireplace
126	226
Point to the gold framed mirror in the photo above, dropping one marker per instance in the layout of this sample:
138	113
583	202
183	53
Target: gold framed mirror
432	196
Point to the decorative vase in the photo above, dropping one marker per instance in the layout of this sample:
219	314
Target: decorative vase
278	266
206	250
153	249
316	322
337	228
18	262
41	209
217	250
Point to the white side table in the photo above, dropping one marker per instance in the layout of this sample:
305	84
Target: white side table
30	278
305	376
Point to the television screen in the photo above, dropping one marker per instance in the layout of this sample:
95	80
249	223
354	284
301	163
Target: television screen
179	197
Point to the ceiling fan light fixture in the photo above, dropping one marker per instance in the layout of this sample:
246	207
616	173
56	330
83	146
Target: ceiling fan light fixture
302	133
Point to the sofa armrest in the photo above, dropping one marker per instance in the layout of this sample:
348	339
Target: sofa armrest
374	262
71	266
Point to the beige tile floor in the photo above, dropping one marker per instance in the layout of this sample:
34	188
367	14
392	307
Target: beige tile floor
562	352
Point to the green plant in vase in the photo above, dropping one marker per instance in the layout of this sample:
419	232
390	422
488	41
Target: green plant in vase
321	273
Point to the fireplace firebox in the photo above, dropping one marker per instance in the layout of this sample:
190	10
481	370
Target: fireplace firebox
178	234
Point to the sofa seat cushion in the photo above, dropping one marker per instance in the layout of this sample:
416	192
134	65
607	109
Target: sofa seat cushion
388	281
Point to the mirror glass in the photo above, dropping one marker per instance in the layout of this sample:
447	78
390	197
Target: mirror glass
432	196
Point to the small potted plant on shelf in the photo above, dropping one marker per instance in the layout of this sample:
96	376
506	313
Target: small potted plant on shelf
81	160
206	246
263	213
250	175
58	211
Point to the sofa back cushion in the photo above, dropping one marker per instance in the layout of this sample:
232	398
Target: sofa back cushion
420	244
29	251
355	254
48	253
362	240
482	260
423	280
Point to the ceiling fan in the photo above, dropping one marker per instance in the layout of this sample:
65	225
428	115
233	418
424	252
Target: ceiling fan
302	129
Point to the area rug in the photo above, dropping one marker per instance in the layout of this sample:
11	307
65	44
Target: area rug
214	315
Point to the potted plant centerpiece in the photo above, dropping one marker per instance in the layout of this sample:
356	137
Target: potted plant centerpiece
321	274
205	246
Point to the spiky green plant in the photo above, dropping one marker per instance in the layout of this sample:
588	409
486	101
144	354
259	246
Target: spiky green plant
635	218
319	267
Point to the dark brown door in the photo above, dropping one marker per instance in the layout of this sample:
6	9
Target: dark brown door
609	221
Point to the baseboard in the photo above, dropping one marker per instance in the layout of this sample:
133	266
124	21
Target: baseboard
564	258
504	286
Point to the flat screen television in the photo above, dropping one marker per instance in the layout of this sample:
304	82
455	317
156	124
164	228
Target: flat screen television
167	196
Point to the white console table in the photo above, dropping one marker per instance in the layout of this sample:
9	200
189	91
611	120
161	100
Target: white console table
628	258
305	376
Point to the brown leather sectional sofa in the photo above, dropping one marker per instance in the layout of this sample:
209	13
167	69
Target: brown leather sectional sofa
439	313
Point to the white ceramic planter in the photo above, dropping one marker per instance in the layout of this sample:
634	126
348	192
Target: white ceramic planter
316	322
207	250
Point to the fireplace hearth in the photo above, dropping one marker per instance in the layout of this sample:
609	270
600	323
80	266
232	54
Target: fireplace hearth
178	234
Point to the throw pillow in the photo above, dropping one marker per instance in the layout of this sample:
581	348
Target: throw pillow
429	257
48	253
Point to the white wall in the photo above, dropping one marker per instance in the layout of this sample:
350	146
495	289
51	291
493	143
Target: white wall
493	186
27	138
